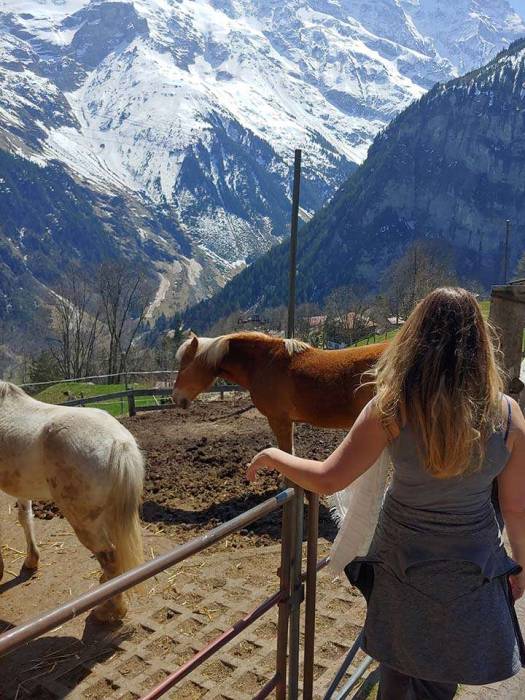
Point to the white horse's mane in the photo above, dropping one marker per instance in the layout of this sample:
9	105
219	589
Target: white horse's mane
212	351
7	388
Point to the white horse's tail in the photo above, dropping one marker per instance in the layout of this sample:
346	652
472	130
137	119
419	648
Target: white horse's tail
122	515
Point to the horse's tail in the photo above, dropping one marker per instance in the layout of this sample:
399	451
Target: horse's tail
122	515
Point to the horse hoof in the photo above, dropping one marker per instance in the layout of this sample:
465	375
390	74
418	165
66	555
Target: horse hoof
110	612
31	563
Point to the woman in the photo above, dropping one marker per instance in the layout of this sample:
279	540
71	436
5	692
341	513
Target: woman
439	585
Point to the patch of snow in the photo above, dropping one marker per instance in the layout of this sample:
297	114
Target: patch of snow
263	75
160	296
194	270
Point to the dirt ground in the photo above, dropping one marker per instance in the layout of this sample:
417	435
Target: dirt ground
195	480
196	463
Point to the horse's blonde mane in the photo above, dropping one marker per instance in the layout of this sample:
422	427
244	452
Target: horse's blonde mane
182	349
211	351
294	346
291	345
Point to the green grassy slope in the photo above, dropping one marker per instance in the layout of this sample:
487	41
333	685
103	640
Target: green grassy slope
56	394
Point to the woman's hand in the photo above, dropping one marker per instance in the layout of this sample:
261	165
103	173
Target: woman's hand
517	584
262	460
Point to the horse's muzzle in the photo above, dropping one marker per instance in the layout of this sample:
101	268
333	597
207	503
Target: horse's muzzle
180	401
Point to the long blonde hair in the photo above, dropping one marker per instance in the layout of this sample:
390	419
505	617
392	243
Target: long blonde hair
441	376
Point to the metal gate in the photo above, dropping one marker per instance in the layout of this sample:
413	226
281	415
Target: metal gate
288	597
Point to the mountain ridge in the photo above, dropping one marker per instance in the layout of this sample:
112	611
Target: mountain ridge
174	124
450	168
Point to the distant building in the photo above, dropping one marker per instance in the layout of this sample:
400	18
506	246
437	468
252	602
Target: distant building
351	320
257	320
395	321
316	321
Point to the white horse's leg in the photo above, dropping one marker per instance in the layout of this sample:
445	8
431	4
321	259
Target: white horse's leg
92	534
25	518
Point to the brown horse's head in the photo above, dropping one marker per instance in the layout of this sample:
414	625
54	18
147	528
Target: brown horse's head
199	363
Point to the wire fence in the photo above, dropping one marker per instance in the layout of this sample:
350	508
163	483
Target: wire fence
133	400
50	382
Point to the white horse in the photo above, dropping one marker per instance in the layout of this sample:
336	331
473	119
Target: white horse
85	461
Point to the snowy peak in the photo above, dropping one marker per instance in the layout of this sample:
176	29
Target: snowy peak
446	173
192	108
466	32
102	29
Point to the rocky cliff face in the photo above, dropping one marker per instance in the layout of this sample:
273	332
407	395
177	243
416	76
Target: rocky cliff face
171	126
450	168
197	106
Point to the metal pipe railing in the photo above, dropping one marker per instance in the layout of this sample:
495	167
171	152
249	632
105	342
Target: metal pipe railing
350	656
296	596
283	618
46	622
331	693
267	688
354	678
311	590
214	646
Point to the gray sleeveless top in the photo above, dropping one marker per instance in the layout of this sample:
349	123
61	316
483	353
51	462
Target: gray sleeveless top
427	519
414	486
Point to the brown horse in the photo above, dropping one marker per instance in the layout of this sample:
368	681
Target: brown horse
288	380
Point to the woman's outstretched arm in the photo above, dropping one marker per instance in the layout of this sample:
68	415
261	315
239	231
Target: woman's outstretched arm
511	487
358	452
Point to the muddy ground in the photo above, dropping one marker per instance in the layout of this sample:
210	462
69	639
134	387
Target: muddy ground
195	479
196	462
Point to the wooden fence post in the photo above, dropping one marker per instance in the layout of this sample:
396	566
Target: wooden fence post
132	410
507	315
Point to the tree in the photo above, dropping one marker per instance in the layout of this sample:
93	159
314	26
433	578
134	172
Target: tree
227	324
76	324
307	326
124	299
420	270
347	316
168	342
43	368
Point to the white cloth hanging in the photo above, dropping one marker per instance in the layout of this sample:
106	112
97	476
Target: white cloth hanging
356	511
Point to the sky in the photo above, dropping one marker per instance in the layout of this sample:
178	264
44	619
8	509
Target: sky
519	5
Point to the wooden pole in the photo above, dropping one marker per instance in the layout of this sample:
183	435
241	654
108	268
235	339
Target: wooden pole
507	315
297	506
293	242
506	252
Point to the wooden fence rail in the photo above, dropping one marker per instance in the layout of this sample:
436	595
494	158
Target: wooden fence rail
132	394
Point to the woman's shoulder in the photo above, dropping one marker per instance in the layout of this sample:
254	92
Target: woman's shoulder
389	425
513	420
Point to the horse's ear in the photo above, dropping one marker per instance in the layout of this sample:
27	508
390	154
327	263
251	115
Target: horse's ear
191	334
190	350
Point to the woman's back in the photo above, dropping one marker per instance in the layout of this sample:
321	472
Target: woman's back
415	486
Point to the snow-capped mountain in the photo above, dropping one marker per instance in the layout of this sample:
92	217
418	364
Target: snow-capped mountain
192	108
446	173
